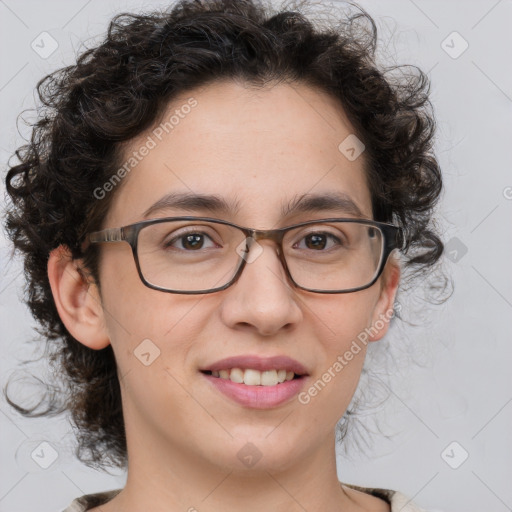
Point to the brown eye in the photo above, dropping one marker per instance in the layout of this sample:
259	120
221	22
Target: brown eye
191	241
320	241
316	241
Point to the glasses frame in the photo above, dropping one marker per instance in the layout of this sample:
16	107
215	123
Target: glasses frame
392	239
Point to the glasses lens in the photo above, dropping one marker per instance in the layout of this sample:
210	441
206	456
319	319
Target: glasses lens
189	255
334	255
194	255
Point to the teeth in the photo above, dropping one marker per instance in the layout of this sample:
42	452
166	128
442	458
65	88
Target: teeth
237	375
269	378
252	377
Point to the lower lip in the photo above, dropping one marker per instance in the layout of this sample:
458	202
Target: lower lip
258	397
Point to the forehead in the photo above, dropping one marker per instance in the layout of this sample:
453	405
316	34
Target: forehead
261	148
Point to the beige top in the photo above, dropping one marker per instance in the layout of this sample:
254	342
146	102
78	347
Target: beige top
398	501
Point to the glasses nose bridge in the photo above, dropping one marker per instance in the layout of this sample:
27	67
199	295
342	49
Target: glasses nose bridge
276	235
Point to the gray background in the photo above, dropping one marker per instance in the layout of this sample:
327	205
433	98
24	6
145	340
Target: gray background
450	380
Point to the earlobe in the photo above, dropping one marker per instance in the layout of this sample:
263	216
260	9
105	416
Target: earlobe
384	308
77	300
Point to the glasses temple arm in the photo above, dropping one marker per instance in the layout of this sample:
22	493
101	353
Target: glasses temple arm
106	235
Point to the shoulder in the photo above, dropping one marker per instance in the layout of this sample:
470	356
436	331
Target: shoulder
89	501
397	502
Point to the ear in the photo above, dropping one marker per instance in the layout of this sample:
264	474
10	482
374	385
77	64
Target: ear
384	307
77	300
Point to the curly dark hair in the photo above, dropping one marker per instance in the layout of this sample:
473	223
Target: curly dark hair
121	87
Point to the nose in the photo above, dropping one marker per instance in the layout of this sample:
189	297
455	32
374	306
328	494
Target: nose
262	299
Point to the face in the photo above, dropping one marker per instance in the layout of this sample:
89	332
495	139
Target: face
261	149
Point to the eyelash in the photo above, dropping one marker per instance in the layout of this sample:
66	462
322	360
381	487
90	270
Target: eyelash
195	232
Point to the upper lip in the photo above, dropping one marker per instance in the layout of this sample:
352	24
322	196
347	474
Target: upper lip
258	363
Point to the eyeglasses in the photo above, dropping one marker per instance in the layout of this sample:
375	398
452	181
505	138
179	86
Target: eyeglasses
195	255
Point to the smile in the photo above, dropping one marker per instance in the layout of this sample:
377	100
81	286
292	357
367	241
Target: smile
251	377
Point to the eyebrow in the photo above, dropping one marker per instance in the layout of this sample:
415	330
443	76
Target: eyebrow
338	202
194	202
306	203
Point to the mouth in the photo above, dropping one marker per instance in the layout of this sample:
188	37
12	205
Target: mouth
253	377
255	382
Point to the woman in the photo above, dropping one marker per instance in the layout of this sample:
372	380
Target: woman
216	211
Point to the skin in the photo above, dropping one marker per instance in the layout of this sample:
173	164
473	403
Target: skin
183	436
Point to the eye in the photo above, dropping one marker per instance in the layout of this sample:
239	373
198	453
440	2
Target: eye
190	241
319	241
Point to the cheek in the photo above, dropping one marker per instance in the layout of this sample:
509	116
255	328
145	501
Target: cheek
152	341
342	326
343	318
142	321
